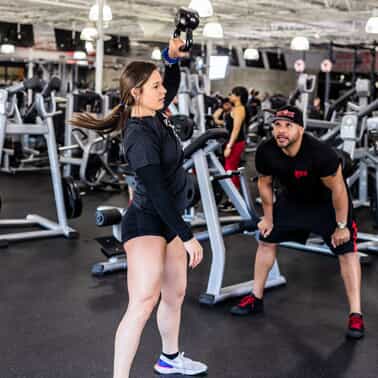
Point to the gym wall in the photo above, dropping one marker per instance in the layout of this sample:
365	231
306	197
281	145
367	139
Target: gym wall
111	78
271	81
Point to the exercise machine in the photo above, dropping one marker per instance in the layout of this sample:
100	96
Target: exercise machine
200	156
63	194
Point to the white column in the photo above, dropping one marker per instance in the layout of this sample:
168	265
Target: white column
100	47
209	50
29	76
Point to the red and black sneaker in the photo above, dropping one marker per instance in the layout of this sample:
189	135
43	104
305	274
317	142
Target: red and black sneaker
248	305
356	327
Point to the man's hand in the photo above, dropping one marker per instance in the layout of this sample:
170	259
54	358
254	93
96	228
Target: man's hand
265	227
340	236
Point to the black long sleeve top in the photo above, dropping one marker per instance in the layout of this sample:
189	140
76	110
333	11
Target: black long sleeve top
154	153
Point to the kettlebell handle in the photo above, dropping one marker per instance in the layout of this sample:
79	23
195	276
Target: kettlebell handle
188	40
186	21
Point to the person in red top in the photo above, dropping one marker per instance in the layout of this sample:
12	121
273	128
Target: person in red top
235	123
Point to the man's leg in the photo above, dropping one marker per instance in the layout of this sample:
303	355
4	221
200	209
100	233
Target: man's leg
350	269
265	258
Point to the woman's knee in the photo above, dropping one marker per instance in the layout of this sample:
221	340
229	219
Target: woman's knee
174	297
142	306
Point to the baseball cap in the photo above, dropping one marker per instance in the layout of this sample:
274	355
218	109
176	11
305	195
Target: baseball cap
289	113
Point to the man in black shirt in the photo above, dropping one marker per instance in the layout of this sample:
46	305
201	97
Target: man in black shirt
313	197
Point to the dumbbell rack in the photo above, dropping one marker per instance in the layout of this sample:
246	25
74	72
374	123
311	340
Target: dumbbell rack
46	128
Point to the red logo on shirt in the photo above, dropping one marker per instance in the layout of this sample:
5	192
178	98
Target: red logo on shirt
298	174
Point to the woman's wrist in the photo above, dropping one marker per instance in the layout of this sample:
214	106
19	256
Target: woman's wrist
167	58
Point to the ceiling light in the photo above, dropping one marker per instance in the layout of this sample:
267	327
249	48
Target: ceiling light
106	13
79	55
89	33
213	30
203	7
251	54
372	25
156	54
300	44
7	48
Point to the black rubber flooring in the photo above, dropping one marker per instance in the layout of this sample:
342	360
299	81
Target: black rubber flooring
58	321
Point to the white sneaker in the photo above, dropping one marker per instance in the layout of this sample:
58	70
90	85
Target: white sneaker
180	365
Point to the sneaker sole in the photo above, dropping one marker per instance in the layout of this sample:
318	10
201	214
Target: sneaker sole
203	374
355	335
247	313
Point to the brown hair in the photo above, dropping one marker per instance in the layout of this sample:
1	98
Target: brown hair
135	75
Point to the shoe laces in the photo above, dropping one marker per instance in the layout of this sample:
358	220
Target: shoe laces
247	300
186	362
356	322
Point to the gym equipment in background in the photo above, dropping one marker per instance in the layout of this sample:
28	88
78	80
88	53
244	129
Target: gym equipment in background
85	155
26	152
64	195
200	156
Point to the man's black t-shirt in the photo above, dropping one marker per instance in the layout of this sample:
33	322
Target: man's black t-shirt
299	176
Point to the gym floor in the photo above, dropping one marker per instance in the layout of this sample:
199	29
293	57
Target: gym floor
59	321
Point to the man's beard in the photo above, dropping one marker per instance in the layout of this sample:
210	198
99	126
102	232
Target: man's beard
286	142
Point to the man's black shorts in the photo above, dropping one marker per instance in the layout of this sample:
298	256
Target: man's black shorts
141	222
296	221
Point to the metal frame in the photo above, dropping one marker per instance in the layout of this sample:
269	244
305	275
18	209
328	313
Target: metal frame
205	161
215	292
46	128
33	156
89	142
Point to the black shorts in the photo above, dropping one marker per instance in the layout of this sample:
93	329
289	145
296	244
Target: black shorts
140	222
296	221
